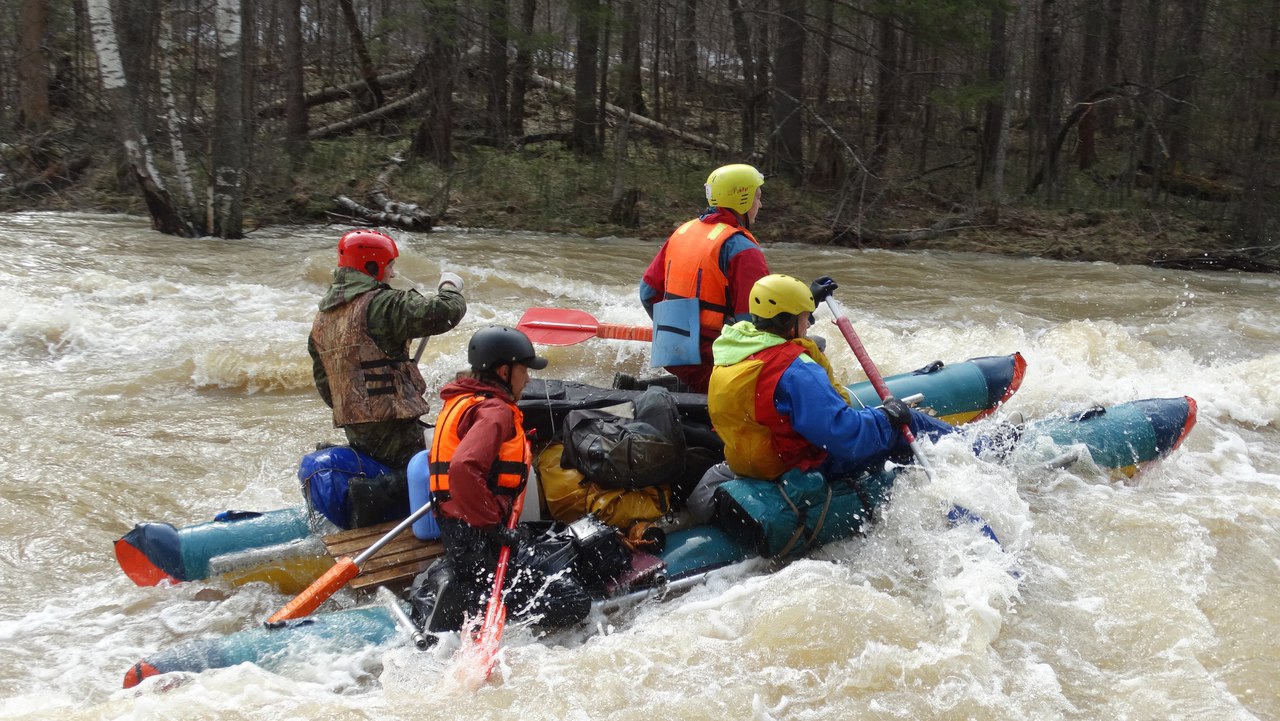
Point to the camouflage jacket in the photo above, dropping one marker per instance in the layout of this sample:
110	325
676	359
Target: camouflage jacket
395	316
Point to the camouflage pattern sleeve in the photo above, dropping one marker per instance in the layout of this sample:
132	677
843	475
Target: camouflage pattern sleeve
318	374
398	316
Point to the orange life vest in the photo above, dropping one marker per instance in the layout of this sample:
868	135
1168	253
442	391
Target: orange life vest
693	271
510	469
759	442
365	384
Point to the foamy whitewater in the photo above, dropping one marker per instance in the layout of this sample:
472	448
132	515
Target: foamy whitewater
150	378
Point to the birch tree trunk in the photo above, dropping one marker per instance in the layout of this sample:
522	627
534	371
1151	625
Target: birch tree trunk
164	216
227	158
180	165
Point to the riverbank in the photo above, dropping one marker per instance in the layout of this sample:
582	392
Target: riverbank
544	189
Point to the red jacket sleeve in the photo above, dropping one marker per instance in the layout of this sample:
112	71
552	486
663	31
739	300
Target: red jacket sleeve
745	268
482	432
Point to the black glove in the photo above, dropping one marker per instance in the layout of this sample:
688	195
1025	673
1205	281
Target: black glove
898	413
822	289
511	537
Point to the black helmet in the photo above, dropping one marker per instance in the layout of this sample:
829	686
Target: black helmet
499	345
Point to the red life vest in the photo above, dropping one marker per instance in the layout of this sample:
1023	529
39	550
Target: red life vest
759	441
510	469
693	271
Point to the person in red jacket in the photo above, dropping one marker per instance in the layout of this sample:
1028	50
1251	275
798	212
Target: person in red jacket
479	463
701	278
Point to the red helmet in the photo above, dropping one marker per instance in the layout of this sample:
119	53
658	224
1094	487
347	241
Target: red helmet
368	251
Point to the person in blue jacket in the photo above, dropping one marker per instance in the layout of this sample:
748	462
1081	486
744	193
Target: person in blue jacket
774	399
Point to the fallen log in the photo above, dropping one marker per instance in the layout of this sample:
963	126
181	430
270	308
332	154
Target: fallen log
358	214
858	237
52	179
359	121
640	120
334	93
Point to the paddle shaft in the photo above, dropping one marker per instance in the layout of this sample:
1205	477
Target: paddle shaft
343	571
495	616
616	331
877	381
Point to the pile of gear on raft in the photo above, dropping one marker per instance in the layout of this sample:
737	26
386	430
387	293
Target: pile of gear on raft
611	479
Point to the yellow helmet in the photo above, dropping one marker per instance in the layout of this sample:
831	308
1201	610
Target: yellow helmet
733	187
777	293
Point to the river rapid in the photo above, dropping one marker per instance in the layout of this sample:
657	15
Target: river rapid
151	378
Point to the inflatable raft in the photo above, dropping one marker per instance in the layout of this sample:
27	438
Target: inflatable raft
1123	437
283	547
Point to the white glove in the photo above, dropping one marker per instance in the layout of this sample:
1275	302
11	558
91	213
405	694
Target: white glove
447	278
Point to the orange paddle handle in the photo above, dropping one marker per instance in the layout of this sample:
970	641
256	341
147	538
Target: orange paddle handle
624	332
319	591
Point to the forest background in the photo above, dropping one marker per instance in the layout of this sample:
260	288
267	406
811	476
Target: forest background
1135	131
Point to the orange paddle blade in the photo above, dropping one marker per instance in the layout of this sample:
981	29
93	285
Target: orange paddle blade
319	591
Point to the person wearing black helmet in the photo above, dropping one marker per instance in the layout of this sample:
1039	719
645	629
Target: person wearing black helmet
359	347
480	462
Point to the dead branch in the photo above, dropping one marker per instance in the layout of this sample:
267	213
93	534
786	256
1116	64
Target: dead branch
640	120
859	238
369	118
334	93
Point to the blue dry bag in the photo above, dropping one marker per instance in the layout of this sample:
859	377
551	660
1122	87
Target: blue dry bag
325	475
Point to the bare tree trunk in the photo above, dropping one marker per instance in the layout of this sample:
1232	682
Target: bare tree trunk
585	112
1113	39
1087	82
227	159
374	98
434	137
497	37
295	106
1045	92
822	75
34	115
523	67
742	43
686	46
630	93
886	90
181	167
1186	55
994	108
164	216
786	146
1258	218
996	185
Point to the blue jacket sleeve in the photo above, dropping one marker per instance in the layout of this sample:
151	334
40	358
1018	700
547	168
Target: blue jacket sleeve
854	437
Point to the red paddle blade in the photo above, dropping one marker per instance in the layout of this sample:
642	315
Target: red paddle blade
489	640
565	326
557	326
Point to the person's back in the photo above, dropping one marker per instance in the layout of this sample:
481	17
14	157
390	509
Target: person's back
774	399
700	278
359	346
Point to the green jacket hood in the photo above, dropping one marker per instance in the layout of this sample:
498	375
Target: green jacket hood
740	340
347	284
